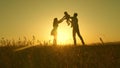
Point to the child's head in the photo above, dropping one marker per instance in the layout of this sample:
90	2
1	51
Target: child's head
65	13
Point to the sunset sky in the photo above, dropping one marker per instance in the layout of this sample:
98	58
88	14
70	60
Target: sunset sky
97	18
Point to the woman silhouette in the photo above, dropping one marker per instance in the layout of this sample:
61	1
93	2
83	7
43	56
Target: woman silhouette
54	30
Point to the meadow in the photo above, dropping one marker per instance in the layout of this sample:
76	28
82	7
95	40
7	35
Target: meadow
37	56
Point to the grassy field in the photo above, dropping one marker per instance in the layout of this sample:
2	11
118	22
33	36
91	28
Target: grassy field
92	56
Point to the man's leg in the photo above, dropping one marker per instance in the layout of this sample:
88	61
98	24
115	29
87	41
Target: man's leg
74	37
78	32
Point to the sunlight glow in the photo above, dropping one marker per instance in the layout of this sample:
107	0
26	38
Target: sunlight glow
63	37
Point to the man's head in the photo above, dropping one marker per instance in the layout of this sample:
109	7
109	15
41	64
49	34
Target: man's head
75	14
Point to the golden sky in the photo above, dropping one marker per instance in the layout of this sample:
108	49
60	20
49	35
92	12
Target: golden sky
97	18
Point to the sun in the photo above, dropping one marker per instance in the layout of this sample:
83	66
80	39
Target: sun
62	37
64	34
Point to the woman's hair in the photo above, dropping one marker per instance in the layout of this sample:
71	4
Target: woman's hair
55	22
55	19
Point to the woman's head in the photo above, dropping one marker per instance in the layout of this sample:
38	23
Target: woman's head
55	19
55	22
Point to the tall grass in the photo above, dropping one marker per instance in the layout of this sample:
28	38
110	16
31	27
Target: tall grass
22	42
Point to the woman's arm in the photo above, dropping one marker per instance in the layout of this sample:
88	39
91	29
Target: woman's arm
61	20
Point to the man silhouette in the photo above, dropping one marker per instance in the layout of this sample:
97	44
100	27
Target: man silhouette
74	25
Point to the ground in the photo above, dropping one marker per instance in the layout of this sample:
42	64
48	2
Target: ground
89	56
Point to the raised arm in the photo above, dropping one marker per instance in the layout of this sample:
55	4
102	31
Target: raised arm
71	21
61	20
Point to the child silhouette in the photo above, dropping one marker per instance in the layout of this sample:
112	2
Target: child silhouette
67	17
